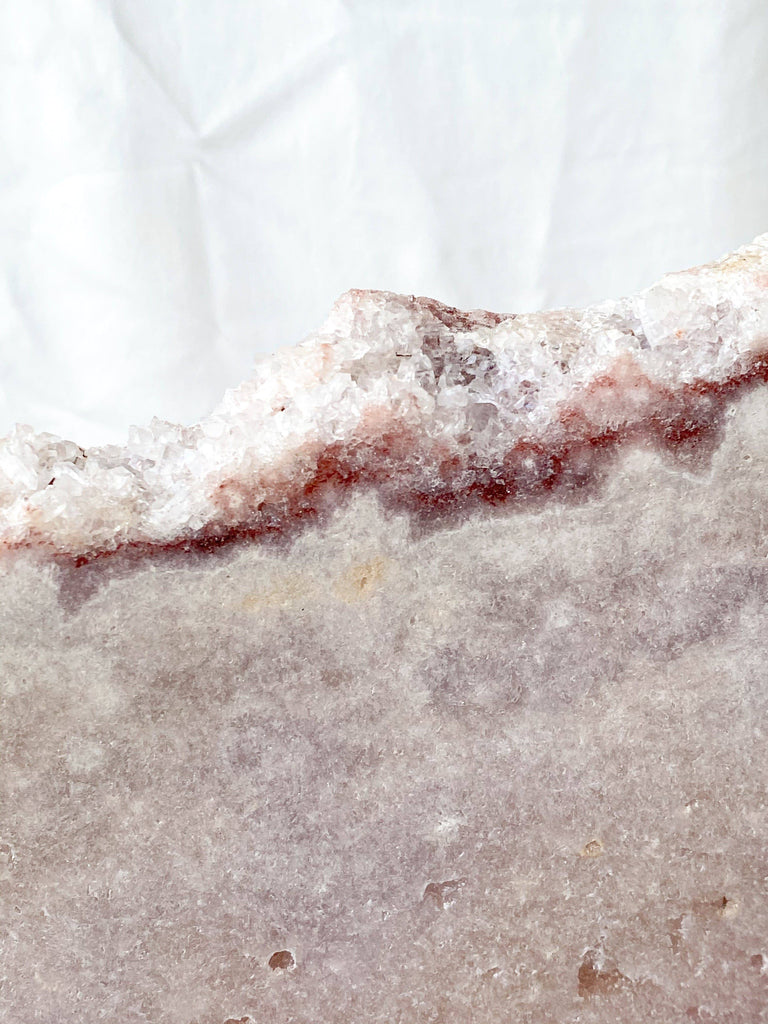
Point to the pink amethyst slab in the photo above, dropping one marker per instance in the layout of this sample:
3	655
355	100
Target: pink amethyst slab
423	682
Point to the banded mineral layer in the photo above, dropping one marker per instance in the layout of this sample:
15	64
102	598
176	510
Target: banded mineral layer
423	681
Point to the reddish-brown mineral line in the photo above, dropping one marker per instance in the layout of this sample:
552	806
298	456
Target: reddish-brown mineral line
683	422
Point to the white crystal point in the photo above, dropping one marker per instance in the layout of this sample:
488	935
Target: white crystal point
405	394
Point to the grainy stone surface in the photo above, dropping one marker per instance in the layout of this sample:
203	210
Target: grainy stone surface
493	761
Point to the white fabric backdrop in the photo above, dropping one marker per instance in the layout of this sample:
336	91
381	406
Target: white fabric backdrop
186	183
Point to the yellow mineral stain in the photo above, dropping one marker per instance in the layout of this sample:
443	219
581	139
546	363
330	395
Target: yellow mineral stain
360	581
592	849
735	263
356	583
288	590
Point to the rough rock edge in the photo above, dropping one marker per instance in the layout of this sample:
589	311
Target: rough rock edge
435	407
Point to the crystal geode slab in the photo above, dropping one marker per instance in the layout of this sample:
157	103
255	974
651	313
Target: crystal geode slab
423	681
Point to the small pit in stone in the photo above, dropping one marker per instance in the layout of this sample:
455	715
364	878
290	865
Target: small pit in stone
282	960
592	849
442	894
728	906
598	976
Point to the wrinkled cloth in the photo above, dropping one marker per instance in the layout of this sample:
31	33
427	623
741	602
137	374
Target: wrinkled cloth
185	185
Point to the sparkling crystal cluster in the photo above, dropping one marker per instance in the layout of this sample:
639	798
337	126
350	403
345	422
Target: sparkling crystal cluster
425	402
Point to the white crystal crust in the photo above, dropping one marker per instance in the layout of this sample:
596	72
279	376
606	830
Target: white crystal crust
469	386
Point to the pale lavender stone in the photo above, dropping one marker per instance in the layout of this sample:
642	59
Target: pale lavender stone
425	681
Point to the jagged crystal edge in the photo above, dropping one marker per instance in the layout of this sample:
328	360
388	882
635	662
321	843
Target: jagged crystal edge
463	388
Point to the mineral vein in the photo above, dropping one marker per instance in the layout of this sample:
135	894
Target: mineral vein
434	407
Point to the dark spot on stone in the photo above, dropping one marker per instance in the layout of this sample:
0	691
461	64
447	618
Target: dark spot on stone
442	894
598	976
282	960
676	927
699	1013
592	849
